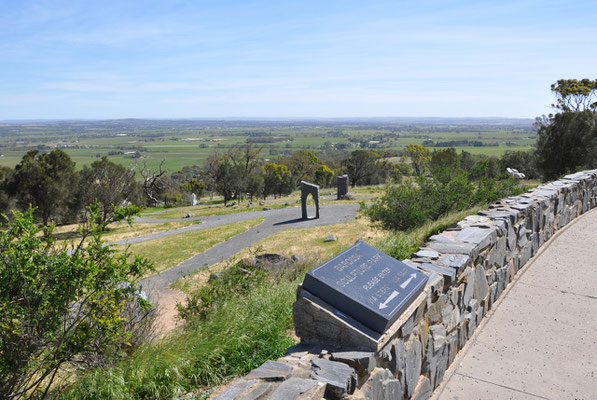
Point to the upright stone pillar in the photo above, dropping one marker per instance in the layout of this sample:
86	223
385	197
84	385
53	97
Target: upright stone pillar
342	186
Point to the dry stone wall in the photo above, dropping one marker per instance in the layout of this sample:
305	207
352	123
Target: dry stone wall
469	266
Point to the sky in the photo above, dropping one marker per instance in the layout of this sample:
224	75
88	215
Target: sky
283	59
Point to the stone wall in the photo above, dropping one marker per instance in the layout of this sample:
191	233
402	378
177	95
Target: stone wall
469	266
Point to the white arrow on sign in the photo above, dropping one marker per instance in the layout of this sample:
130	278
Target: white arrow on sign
390	298
404	284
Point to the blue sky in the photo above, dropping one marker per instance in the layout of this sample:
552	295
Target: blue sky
181	59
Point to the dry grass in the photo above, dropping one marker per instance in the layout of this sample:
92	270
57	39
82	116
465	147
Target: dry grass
170	251
118	231
307	242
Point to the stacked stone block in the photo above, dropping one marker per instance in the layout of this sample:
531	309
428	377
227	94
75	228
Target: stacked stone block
469	265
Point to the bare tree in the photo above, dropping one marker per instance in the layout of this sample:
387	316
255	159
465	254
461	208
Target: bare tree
152	183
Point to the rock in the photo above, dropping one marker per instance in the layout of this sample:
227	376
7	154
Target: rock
382	386
423	391
439	269
270	371
481	286
456	261
267	208
427	253
482	237
257	392
330	238
470	287
272	262
437	355
455	248
413	365
235	389
189	215
297	258
294	387
362	361
214	276
261	203
398	355
248	262
340	378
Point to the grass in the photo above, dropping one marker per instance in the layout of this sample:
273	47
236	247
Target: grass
119	231
170	251
401	245
294	241
237	337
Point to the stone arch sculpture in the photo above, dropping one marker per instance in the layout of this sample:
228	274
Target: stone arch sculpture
306	190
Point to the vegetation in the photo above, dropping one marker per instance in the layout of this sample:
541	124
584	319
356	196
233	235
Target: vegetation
169	251
428	198
567	141
59	307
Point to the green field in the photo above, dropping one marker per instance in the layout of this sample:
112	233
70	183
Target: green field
182	143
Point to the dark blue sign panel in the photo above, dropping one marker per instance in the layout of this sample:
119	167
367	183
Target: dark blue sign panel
367	285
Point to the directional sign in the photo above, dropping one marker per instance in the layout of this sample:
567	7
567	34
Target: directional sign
367	285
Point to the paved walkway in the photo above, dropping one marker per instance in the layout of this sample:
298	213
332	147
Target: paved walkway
540	340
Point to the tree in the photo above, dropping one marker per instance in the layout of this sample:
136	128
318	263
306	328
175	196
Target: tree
302	165
5	178
108	184
360	166
568	140
324	176
420	157
48	181
58	306
446	158
522	161
153	181
575	95
277	179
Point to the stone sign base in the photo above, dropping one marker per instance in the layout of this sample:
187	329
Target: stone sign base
319	323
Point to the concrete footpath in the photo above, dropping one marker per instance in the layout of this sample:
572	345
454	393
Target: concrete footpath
540	339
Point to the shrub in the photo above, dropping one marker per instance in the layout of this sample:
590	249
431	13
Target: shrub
412	204
61	307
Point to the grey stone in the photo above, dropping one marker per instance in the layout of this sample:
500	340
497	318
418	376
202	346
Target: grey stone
439	269
456	261
330	238
480	236
481	286
236	389
423	391
398	355
469	290
258	392
498	254
271	371
452	346
427	253
413	365
306	190
440	239
293	388
455	248
273	262
340	378
362	361
342	182
382	386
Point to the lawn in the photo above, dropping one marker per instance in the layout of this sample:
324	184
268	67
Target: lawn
170	251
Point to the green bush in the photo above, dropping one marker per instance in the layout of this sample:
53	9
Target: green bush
62	308
409	205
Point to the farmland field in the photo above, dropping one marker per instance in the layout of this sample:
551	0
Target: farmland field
180	143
